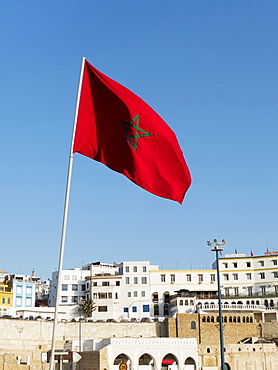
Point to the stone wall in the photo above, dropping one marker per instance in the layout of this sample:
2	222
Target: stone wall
194	326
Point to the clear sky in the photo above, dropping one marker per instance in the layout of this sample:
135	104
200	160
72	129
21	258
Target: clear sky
209	68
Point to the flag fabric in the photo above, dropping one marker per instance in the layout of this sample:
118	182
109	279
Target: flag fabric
235	251
251	254
117	128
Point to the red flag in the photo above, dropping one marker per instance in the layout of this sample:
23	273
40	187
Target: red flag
251	254
117	128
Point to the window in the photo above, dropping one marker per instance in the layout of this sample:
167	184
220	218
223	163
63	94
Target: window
128	294
235	265
3	300
110	295
172	278
95	283
249	289
163	278
9	300
127	280
74	277
155	297
143	280
95	295
105	283
276	289
74	287
227	292
102	309
66	277
225	265
144	268
262	263
117	283
83	287
19	290
146	308
226	277
275	274
64	287
116	296
212	277
135	280
29	290
262	274
134	309
134	294
274	262
193	325
236	291
248	264
143	293
200	278
64	299
235	276
248	276
134	268
18	301
87	284
74	299
127	269
156	310
125	309
166	310
102	295
263	290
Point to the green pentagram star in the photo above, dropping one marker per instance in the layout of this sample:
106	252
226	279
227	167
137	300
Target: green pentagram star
132	131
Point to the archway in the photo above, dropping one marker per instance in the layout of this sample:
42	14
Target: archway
146	362
121	358
169	362
190	364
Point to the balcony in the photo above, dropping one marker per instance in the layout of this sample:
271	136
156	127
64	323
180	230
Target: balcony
235	308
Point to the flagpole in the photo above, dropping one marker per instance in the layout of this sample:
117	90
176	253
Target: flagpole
64	225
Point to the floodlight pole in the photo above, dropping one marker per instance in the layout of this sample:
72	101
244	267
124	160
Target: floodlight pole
218	247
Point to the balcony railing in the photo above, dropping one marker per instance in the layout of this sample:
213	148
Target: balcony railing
236	307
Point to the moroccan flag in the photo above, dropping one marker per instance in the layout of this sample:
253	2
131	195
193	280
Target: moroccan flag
117	128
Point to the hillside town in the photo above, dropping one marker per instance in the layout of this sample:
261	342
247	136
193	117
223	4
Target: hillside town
139	312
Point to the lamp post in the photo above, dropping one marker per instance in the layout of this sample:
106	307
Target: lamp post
218	247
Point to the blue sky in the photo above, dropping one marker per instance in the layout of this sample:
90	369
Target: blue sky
209	68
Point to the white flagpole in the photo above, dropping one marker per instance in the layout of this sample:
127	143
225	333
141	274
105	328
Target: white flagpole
64	227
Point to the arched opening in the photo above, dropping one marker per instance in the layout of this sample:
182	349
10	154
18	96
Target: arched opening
204	319
258	303
252	302
227	366
230	319
238	319
212	319
190	363
147	361
122	358
186	302
193	325
239	303
181	302
266	303
169	362
271	303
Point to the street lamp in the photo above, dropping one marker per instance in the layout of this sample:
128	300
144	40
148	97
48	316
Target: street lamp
218	247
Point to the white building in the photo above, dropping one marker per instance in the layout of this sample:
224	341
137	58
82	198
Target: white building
251	280
136	290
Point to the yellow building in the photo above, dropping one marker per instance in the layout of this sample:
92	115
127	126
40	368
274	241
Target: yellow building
6	296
